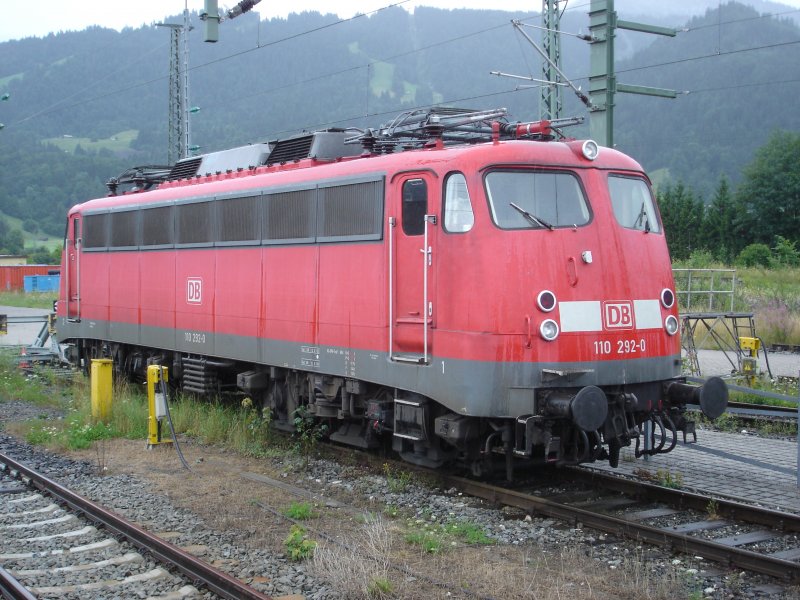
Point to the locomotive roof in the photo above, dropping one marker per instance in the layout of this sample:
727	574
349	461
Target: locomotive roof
436	157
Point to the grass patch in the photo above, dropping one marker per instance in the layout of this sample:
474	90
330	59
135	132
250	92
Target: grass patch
731	423
429	542
662	477
470	533
35	387
30	300
300	511
237	426
397	480
382	78
116	143
434	538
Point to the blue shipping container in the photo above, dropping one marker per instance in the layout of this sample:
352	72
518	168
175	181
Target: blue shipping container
42	283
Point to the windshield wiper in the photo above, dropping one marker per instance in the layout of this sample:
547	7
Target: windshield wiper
531	218
643	219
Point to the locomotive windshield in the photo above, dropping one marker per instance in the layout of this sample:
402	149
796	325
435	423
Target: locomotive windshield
535	199
633	204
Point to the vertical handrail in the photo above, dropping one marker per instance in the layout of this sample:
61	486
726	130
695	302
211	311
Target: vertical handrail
78	244
426	265
69	283
425	257
391	222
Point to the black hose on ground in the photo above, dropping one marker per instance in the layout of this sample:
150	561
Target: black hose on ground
163	386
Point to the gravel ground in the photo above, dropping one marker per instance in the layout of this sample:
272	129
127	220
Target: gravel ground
234	523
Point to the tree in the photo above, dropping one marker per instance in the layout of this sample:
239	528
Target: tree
14	242
755	255
682	214
785	253
769	195
718	226
40	256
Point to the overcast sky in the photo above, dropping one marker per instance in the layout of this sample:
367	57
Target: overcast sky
38	18
22	18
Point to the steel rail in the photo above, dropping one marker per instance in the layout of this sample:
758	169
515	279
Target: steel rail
684	499
727	555
196	570
11	589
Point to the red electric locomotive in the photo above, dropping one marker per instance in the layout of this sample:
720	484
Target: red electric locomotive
459	285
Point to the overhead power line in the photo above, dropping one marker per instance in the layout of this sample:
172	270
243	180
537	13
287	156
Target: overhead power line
57	106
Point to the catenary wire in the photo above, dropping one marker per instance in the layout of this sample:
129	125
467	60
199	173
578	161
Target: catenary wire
632	69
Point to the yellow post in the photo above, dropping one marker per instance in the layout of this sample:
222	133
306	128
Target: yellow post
156	403
102	387
751	345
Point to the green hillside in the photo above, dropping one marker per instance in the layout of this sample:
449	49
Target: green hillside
87	105
116	144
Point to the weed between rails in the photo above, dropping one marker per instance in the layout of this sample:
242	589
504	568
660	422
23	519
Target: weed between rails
434	538
300	511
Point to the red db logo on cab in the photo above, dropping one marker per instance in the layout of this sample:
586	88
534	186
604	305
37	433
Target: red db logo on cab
618	315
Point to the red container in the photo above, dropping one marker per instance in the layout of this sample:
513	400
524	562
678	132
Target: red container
12	278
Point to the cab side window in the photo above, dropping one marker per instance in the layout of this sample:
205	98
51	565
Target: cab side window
458	215
415	205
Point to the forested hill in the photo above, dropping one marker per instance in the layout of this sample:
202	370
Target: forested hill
86	105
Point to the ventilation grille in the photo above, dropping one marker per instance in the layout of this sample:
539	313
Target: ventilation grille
291	150
185	168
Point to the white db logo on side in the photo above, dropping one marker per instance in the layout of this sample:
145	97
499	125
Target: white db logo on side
194	290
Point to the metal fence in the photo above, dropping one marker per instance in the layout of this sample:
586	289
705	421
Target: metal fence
705	290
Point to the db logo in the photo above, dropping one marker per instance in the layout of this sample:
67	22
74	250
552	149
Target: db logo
618	315
194	290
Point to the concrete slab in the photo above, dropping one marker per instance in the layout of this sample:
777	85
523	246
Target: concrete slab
738	466
21	334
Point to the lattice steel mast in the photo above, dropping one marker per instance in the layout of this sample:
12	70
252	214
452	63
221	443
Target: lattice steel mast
550	104
178	143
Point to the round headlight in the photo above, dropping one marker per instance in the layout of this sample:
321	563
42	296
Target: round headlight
590	149
667	298
671	325
549	330
546	300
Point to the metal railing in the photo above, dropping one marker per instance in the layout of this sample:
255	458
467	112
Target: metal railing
710	290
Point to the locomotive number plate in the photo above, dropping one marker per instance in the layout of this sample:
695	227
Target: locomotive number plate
604	347
194	338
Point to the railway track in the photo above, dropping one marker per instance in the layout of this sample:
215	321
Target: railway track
58	544
733	534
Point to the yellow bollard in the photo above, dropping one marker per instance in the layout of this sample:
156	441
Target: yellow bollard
102	388
751	346
156	404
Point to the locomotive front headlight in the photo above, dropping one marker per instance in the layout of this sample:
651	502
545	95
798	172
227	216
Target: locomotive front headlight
546	300
671	325
667	298
590	149
549	330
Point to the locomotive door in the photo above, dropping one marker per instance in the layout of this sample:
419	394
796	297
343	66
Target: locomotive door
73	263
412	239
